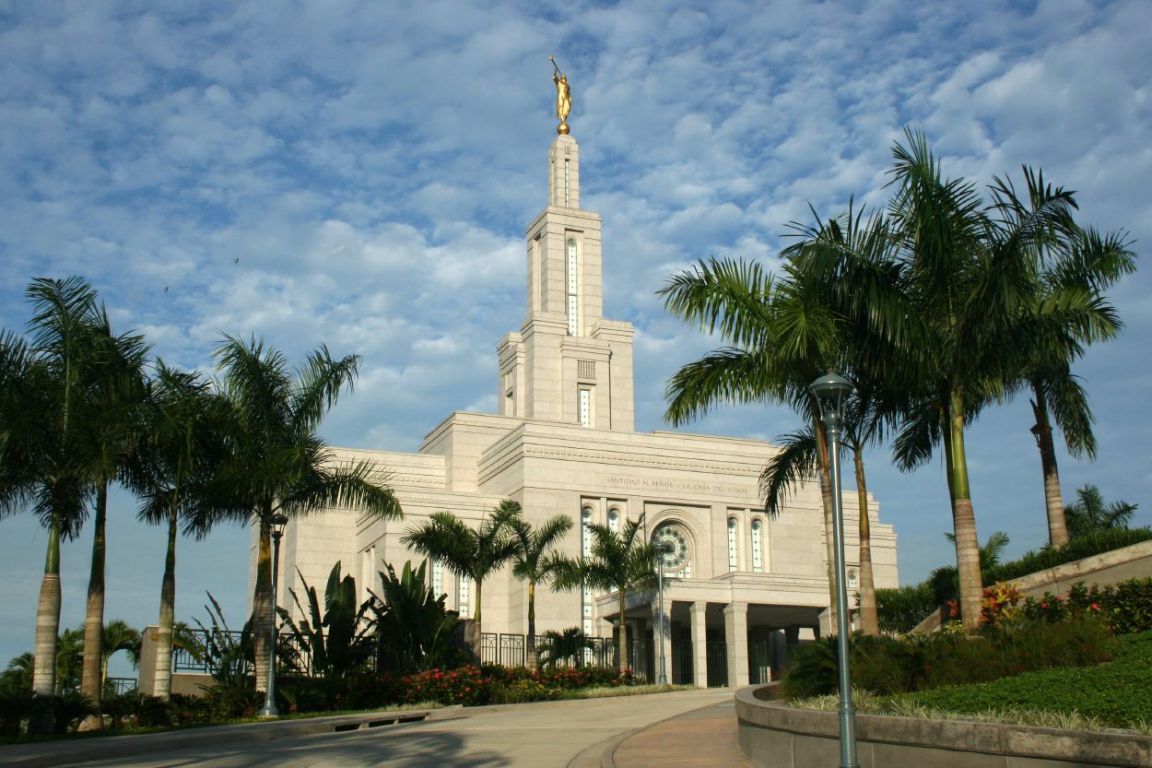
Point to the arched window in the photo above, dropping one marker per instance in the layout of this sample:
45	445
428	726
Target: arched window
733	545
614	520
757	546
853	582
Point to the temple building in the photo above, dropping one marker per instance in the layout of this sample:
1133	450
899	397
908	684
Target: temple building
739	586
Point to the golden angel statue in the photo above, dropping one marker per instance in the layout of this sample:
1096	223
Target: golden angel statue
563	96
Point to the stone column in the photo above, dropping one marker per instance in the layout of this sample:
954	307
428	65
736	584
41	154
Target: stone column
637	656
698	613
736	638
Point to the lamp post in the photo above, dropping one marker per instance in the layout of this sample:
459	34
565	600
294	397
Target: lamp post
278	522
831	391
661	549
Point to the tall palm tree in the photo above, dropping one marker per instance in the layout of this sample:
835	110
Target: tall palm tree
781	334
779	341
470	553
1070	260
276	464
181	448
1089	514
619	561
958	325
531	561
45	449
110	431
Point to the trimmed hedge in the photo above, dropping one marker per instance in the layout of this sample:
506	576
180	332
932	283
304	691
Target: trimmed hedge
1076	549
884	665
1117	693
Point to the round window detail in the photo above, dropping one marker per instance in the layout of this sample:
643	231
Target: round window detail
674	541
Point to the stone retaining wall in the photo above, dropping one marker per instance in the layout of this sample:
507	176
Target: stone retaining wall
774	735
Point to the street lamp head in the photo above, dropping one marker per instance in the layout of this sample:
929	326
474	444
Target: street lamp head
278	522
830	392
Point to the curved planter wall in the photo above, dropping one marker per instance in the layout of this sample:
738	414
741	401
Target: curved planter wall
773	735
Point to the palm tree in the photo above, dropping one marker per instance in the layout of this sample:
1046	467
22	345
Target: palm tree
782	334
181	448
45	448
949	329
1071	260
531	560
1089	514
470	553
276	464
619	561
110	430
118	636
779	342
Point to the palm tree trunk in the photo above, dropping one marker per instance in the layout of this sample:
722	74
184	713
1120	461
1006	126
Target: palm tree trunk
262	617
1053	498
531	654
47	632
91	677
869	620
163	674
622	636
825	474
964	520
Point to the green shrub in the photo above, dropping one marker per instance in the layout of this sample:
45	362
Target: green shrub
899	610
1076	549
465	685
1125	607
15	707
1115	693
887	666
520	691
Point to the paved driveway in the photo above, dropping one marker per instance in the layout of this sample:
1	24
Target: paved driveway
558	733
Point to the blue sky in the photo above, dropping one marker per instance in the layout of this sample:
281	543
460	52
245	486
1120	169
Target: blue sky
360	174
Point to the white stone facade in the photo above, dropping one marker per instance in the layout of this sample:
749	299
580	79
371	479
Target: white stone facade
742	585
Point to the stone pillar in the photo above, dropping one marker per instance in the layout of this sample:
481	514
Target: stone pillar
661	639
698	612
146	679
638	657
736	638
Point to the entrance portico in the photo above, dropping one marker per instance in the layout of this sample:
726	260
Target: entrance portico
733	630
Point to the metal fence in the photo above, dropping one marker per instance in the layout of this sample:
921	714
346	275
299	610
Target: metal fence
118	686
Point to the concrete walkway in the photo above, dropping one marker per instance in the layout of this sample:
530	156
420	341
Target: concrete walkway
685	728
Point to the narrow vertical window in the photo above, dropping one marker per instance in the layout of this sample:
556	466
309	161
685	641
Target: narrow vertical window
614	520
463	600
585	395
586	551
567	184
733	545
437	578
573	304
757	546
